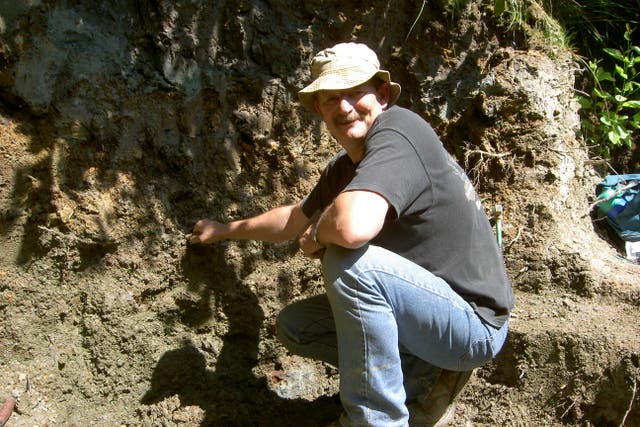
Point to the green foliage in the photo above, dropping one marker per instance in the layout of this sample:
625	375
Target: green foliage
594	24
612	110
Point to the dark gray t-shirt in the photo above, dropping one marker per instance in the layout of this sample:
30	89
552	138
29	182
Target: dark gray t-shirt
436	220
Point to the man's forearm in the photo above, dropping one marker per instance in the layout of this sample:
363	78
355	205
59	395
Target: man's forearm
277	225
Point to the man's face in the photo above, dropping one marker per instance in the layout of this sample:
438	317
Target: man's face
349	113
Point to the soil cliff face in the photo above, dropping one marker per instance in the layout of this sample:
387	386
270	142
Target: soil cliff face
122	123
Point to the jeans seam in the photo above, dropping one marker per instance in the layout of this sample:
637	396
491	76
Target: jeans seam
365	352
467	308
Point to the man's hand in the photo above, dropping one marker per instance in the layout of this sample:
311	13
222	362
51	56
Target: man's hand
208	231
308	246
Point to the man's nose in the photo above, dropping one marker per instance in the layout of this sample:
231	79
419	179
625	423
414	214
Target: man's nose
346	103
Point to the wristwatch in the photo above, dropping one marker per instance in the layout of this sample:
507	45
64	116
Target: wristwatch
314	233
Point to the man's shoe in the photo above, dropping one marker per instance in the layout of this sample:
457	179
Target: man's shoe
438	408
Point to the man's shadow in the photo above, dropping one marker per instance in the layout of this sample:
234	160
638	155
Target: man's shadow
229	393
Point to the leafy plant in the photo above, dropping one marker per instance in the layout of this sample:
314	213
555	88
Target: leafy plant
612	109
594	24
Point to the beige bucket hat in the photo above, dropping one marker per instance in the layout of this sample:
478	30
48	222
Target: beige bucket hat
344	66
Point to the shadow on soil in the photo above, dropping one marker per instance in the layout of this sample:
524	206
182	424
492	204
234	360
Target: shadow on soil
229	392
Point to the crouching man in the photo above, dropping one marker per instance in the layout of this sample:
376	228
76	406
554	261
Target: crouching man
414	278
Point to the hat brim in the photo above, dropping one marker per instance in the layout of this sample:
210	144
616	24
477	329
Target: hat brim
344	79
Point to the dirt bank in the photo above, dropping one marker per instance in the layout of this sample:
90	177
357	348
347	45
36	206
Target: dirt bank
122	123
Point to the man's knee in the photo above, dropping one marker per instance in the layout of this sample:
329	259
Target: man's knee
286	325
301	319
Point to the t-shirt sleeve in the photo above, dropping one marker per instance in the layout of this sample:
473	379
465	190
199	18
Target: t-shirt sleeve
391	168
332	180
314	200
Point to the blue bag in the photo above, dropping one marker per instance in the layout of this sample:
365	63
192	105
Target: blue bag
620	195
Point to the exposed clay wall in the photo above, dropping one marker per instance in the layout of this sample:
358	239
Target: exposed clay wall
122	123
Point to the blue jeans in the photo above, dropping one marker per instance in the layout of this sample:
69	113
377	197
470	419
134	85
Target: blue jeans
383	313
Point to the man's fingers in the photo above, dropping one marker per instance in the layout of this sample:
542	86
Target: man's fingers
198	229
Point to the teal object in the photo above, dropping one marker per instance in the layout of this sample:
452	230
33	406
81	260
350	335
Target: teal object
611	206
620	195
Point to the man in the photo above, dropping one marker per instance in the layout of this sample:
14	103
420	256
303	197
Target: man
413	275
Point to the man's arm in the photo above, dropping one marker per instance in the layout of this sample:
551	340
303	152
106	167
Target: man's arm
277	225
352	220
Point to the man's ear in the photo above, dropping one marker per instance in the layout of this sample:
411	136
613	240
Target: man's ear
316	105
384	92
